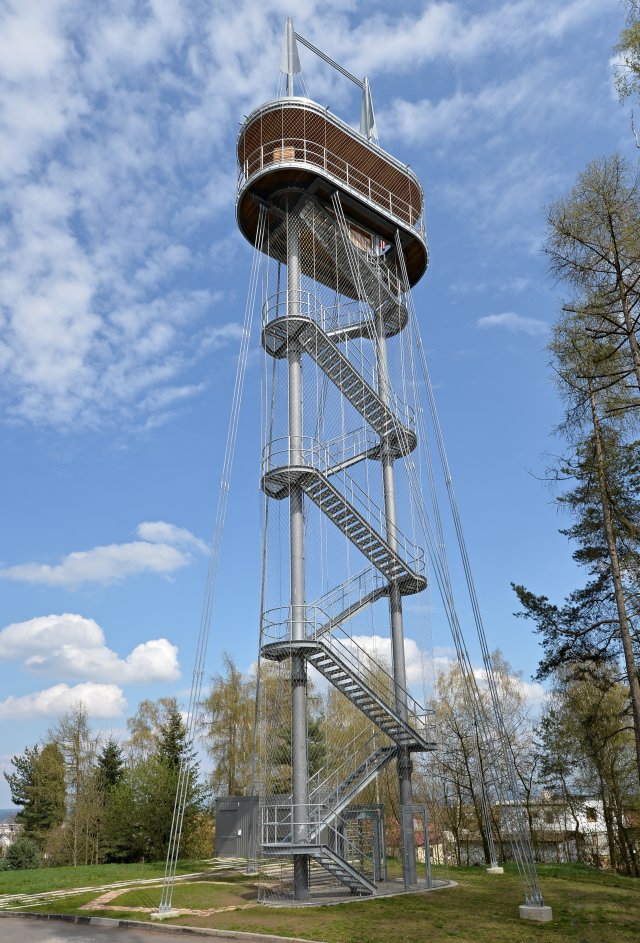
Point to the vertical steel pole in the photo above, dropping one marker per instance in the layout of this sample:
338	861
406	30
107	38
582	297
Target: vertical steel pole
403	762
299	765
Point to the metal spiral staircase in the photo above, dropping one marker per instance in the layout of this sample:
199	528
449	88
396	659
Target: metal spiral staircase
318	470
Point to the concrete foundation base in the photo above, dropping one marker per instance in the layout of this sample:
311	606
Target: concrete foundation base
538	912
495	870
164	914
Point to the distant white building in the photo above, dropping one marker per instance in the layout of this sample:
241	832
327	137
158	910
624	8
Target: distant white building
561	832
9	831
564	831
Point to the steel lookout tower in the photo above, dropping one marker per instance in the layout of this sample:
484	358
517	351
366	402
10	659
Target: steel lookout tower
341	222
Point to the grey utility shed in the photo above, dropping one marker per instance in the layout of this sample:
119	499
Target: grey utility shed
236	826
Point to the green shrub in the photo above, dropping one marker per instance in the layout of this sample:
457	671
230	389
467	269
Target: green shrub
23	854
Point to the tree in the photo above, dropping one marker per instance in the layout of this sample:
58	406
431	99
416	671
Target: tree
172	746
140	804
227	725
466	764
603	506
110	764
628	74
281	752
38	785
145	726
107	775
140	811
73	737
588	751
584	630
593	244
23	854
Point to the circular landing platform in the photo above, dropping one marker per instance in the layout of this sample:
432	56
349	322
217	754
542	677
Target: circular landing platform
327	896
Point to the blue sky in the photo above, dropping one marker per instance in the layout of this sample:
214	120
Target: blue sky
122	293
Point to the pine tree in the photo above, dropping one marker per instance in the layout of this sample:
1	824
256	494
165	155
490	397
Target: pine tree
38	785
603	504
172	746
110	763
24	854
593	244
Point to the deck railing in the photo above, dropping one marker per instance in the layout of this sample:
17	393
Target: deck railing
286	150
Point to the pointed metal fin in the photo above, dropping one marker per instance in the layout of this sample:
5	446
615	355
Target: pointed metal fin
290	60
367	117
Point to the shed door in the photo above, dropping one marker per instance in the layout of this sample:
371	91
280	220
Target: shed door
227	824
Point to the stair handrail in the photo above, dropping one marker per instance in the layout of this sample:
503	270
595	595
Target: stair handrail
354	589
336	317
307	306
365	744
355	856
275	628
326	455
311	823
331	783
376	673
287	452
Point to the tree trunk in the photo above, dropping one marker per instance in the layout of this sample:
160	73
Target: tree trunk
616	576
608	823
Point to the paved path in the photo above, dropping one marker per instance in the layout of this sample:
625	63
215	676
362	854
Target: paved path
20	930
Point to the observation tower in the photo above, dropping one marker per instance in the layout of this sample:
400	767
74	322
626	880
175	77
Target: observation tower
339	224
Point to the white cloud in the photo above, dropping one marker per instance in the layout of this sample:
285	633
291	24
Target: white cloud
162	532
534	98
109	564
72	646
379	648
533	692
101	700
104	200
160	554
445	31
515	323
116	156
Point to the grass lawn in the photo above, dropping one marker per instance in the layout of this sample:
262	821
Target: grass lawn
195	895
588	907
52	879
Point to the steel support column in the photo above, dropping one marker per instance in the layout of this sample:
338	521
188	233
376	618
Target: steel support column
299	764
403	762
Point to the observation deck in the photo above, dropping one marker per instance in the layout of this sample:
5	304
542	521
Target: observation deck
296	144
